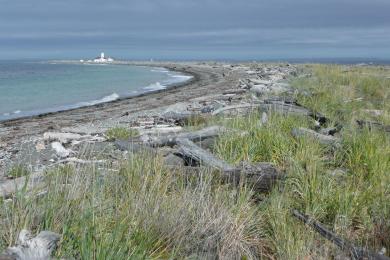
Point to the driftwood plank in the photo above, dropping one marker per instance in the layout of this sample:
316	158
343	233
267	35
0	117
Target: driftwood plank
355	252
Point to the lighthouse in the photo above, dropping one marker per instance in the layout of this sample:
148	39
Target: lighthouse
103	59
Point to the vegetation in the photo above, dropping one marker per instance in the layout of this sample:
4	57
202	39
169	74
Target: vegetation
17	171
145	210
120	133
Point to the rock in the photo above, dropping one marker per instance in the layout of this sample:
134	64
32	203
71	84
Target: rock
40	146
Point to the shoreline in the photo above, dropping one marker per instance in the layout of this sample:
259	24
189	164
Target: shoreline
194	78
207	79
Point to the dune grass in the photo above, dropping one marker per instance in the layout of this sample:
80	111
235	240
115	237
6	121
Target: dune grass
143	210
117	133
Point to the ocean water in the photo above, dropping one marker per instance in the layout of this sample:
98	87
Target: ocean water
32	88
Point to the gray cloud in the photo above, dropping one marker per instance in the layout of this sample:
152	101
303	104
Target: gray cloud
195	28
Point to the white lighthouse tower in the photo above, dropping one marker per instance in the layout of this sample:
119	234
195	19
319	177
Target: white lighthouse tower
103	59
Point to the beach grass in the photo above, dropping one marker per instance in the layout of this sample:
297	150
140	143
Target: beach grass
144	210
120	133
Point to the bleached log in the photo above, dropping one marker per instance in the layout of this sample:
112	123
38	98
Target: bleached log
193	152
65	138
196	136
160	130
80	161
28	247
61	137
60	150
323	139
235	107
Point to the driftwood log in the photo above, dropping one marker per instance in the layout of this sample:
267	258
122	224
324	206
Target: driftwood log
196	136
40	247
261	176
354	251
373	125
323	139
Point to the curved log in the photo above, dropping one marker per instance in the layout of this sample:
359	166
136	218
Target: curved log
355	252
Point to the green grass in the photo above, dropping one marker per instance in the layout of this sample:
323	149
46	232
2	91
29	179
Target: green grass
17	171
120	133
143	210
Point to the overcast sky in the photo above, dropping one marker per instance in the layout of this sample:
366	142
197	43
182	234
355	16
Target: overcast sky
195	29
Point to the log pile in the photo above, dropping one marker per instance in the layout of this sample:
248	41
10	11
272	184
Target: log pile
260	176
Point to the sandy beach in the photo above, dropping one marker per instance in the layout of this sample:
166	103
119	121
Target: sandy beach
208	79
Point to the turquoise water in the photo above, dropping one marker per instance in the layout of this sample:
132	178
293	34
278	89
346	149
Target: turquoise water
32	88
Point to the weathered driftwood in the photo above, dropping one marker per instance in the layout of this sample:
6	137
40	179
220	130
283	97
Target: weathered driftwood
373	125
355	252
10	187
134	147
160	130
261	176
235	107
292	107
69	137
60	150
40	247
192	152
196	136
323	139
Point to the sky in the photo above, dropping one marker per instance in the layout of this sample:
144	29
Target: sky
195	29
